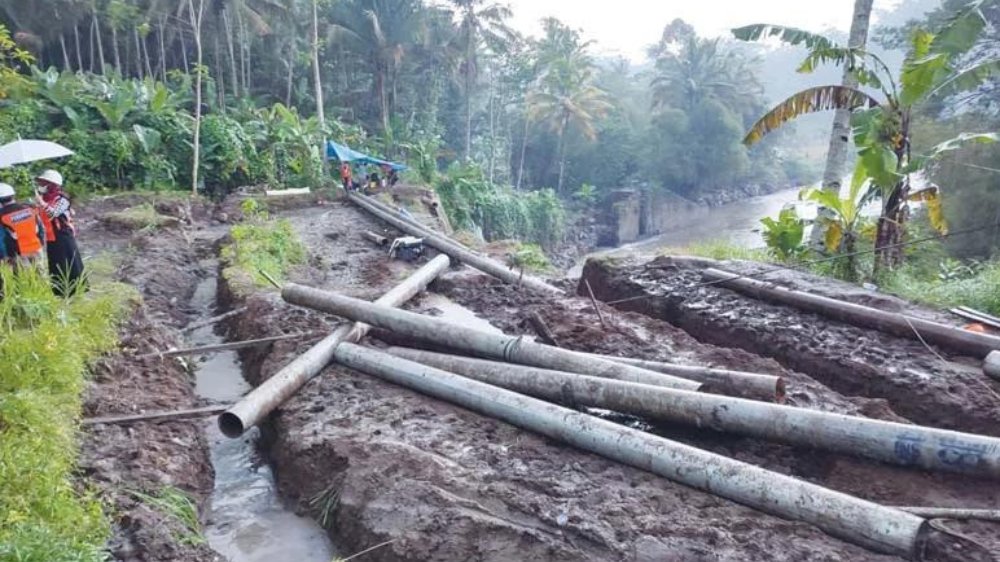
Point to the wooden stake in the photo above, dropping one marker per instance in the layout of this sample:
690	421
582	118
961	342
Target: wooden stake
545	335
156	416
593	301
953	513
223	346
213	320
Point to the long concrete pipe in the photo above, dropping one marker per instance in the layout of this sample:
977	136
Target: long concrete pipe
890	442
955	339
877	527
453	249
757	386
256	405
493	345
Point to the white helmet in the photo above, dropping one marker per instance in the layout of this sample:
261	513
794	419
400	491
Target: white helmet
52	177
6	190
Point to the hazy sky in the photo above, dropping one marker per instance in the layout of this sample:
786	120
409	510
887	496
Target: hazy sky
626	27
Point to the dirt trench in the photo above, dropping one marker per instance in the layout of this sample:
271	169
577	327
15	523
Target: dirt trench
377	463
119	460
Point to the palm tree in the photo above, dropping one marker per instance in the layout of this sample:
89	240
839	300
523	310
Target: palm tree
702	70
881	128
381	32
568	100
479	22
836	154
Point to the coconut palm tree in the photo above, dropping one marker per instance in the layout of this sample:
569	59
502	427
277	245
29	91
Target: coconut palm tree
836	154
701	70
568	99
881	126
480	21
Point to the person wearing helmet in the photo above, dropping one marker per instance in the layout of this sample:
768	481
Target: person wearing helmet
65	263
22	236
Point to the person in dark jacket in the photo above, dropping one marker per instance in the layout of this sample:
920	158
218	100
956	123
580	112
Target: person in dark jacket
65	263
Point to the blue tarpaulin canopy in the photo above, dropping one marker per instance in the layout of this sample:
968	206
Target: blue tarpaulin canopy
348	154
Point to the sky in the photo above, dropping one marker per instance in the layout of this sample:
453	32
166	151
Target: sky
627	27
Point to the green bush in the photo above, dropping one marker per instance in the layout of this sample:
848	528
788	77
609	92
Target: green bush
472	203
45	346
261	244
980	291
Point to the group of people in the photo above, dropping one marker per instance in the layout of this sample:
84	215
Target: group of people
45	228
372	181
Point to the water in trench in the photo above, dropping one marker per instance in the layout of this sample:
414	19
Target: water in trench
247	520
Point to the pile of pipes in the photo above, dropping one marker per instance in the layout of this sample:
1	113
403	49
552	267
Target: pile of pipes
538	387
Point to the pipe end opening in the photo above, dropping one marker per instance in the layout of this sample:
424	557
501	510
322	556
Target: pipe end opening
231	425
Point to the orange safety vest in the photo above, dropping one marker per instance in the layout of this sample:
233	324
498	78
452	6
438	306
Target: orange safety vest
22	223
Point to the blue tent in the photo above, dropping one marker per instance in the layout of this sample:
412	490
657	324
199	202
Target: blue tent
347	154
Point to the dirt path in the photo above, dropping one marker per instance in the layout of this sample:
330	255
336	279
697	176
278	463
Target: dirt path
378	463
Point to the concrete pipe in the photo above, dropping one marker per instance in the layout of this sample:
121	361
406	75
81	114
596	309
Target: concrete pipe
894	443
756	386
991	365
374	238
955	339
859	521
492	345
453	249
256	405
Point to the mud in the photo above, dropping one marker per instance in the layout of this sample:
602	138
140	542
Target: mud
854	361
377	463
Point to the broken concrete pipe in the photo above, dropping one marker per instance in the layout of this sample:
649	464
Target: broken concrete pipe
497	346
890	442
955	339
859	521
256	405
455	250
755	386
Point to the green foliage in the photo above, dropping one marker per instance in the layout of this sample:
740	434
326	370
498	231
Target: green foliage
261	244
529	257
45	346
722	250
472	202
586	194
784	236
179	506
980	290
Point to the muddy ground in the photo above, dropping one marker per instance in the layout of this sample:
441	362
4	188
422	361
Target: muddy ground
119	460
381	464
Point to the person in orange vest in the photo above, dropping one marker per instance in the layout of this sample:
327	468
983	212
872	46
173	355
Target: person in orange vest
22	236
65	263
345	175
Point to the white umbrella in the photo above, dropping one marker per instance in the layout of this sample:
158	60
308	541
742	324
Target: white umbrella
22	151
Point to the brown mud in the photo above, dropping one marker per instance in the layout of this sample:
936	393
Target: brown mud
377	463
120	460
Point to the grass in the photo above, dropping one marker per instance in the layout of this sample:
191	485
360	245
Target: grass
261	244
980	291
139	217
46	344
177	505
722	250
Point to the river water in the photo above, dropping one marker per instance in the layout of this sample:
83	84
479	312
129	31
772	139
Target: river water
247	520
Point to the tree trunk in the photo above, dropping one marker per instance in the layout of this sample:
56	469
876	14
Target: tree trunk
114	45
233	75
145	56
291	76
220	82
561	150
493	128
836	155
469	54
100	45
317	79
524	149
76	41
184	55
65	54
382	98
196	147
90	39
244	54
163	49
138	53
890	230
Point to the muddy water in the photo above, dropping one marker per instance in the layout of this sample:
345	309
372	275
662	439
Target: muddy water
455	313
247	520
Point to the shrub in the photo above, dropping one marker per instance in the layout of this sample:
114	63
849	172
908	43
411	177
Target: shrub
261	244
45	345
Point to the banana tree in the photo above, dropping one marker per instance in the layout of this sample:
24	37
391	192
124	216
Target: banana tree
881	125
